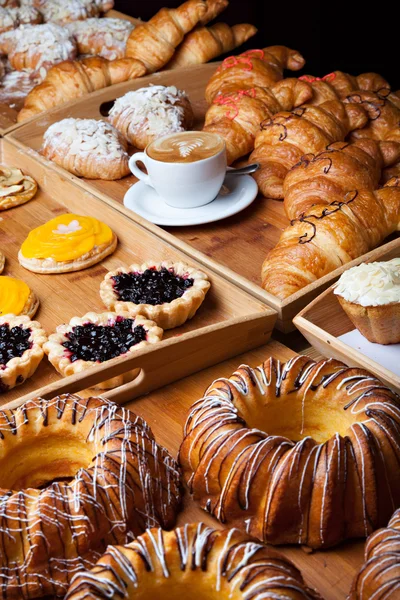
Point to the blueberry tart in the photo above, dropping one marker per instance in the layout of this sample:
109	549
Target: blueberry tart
21	349
98	337
167	293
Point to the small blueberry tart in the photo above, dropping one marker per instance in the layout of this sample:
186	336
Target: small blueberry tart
167	293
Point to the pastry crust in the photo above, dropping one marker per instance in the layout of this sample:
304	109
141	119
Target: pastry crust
15	187
58	355
87	148
169	314
20	368
49	265
2	261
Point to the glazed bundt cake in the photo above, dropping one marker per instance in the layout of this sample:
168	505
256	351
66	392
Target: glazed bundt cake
192	561
379	577
75	475
301	453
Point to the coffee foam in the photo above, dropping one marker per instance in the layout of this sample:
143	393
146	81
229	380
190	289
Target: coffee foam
185	147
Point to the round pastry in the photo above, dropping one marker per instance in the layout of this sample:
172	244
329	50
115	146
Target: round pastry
15	187
16	297
75	475
87	148
370	296
21	351
36	48
151	112
102	37
67	243
210	563
296	453
95	338
167	293
62	12
379	577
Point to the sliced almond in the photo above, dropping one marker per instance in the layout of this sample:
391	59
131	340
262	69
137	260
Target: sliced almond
9	191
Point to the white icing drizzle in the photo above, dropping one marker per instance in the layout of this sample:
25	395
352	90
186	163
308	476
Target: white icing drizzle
216	436
104	503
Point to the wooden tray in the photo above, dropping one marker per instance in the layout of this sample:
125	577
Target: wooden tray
324	320
9	111
234	247
330	572
229	321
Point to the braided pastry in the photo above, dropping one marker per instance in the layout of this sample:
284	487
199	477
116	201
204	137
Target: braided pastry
329	485
93	476
211	563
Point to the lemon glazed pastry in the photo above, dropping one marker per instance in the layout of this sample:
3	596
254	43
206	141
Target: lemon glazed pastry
75	475
16	297
87	148
168	293
15	187
98	337
21	349
67	243
151	112
370	296
212	564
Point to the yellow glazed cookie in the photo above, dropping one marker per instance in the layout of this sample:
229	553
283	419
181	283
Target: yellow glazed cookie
67	243
15	187
16	297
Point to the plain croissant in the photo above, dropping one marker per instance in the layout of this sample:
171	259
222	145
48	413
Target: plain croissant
154	42
261	68
72	79
285	138
237	114
329	236
213	9
326	177
205	43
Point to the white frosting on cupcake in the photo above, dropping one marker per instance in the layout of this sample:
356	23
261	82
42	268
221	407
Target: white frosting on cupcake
371	284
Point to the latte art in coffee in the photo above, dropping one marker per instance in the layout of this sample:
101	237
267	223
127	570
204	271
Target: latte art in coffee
186	147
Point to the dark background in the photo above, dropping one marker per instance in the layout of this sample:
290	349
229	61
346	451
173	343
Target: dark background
347	36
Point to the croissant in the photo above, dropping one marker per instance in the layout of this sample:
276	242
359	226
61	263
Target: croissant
329	236
87	148
73	79
154	42
101	37
213	9
326	177
236	115
261	68
338	85
284	139
205	43
383	110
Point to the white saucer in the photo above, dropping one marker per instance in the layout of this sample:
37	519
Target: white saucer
237	193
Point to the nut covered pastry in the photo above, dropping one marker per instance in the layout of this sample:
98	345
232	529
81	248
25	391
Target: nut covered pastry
67	243
15	187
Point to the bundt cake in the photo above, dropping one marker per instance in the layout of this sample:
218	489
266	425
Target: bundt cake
75	475
379	577
192	561
302	452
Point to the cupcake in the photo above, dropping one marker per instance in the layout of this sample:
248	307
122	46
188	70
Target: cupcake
370	296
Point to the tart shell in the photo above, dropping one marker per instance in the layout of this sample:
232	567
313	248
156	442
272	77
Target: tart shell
57	355
169	314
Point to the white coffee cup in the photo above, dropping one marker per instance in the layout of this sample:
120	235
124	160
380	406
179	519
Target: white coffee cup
183	184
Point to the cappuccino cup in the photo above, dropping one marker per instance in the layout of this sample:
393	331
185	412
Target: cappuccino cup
186	169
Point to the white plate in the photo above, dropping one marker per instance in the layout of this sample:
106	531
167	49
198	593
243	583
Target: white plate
237	193
386	355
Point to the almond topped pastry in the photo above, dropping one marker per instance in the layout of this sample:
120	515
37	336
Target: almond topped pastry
15	187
